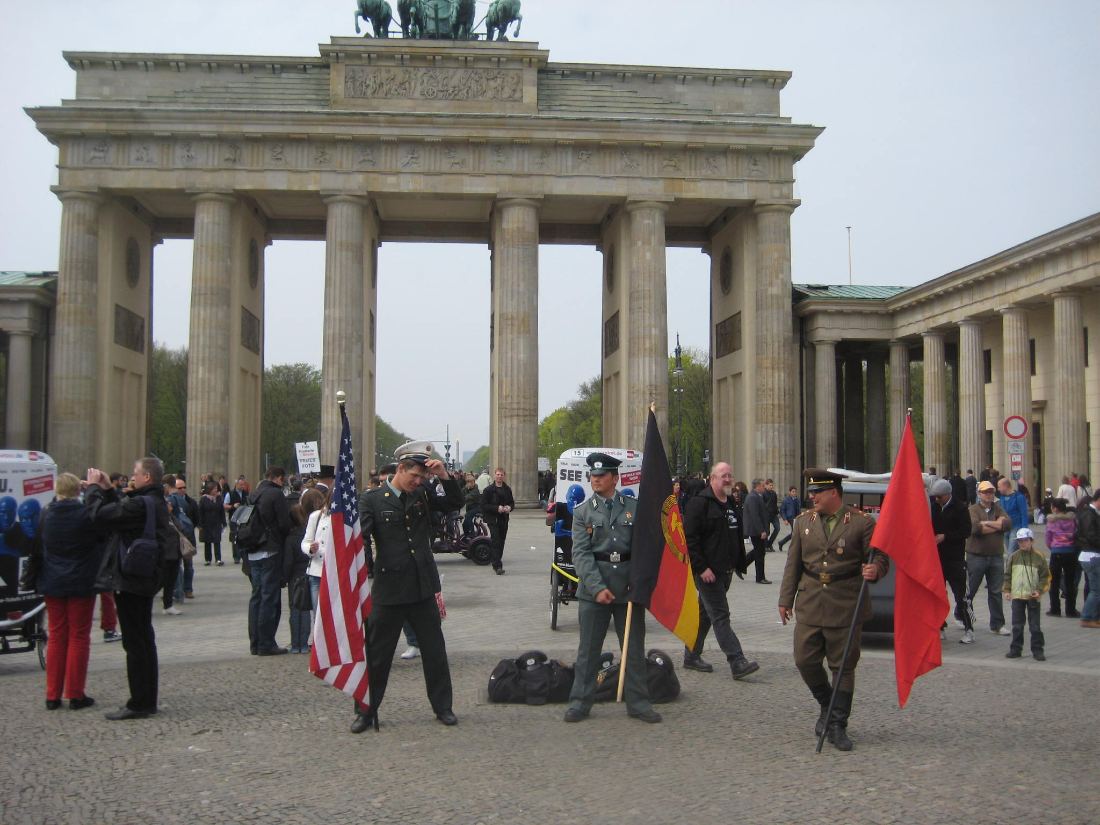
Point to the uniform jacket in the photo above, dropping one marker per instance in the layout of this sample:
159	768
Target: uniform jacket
756	515
125	517
397	536
595	530
828	604
710	541
953	521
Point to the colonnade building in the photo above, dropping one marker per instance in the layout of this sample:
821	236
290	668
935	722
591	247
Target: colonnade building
383	141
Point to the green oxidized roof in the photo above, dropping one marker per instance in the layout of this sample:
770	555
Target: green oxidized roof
844	292
28	279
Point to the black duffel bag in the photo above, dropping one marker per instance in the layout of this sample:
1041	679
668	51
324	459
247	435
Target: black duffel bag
531	679
664	686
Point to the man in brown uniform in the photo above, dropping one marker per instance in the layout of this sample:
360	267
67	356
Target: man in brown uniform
825	570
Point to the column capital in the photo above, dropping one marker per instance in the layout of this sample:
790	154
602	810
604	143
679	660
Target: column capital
647	203
785	206
932	333
826	340
213	196
343	197
1012	309
969	322
1065	293
90	195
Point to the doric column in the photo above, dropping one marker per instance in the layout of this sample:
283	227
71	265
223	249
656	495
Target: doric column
935	402
1069	397
1016	364
209	340
516	330
342	342
647	350
825	402
899	393
877	459
971	396
854	457
774	438
73	365
19	390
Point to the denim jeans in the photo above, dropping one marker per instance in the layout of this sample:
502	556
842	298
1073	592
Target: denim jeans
992	569
714	611
315	589
1091	610
264	607
1029	609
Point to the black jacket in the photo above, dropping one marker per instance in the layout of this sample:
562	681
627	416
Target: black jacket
295	561
710	541
211	518
493	497
1088	527
756	515
771	504
124	519
274	513
397	536
953	522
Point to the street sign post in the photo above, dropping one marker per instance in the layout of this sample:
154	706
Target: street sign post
1015	427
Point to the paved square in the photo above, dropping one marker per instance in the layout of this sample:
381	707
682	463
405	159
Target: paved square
245	739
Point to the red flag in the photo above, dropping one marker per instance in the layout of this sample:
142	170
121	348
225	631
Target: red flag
660	573
343	603
904	533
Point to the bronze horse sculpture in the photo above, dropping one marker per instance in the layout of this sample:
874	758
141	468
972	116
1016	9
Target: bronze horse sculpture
462	20
378	13
502	13
411	14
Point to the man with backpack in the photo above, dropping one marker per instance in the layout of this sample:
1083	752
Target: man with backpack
137	517
262	528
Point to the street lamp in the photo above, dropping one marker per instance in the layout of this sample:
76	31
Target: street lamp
678	372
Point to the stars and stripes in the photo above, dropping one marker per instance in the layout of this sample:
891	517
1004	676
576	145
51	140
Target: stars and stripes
343	603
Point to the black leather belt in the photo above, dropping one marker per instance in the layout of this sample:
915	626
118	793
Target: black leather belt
612	557
829	578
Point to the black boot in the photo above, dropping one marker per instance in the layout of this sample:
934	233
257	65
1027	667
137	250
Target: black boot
821	693
694	661
838	722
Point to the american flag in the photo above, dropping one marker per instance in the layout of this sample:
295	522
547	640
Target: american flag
343	604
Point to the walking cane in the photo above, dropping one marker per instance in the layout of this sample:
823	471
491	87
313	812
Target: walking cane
844	656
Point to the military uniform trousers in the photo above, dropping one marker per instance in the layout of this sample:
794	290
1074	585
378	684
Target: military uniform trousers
813	643
384	629
594	619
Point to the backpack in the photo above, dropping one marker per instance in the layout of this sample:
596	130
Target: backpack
250	528
531	679
141	557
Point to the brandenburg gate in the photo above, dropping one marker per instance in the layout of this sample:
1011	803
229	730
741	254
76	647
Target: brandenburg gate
387	140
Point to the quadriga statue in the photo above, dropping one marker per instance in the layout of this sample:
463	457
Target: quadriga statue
502	13
378	13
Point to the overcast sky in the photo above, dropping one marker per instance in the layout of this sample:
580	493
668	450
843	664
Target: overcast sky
953	130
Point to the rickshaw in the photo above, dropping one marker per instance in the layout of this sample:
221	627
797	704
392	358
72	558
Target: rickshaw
26	486
571	489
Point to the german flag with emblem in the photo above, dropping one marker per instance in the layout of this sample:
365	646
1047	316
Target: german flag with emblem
660	572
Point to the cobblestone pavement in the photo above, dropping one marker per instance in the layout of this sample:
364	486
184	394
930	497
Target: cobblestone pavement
245	739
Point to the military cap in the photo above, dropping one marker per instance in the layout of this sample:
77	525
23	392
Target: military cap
600	463
417	451
819	480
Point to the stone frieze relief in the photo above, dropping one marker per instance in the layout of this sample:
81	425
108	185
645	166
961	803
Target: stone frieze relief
372	82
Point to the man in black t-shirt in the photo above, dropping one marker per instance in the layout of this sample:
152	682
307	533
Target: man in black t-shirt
716	547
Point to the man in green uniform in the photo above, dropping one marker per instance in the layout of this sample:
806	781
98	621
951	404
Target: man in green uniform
826	567
603	526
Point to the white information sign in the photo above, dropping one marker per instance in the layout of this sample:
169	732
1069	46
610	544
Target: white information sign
1015	447
308	459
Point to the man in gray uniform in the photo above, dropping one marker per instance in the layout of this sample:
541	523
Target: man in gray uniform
602	531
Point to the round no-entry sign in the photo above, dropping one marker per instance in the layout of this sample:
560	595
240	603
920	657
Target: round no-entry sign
1015	426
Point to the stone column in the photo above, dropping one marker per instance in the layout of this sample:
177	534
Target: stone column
775	440
971	396
854	457
899	393
647	329
1069	398
825	402
342	343
1016	364
516	328
878	461
935	402
73	364
209	340
19	390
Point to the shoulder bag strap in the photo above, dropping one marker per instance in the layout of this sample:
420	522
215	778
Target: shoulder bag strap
150	531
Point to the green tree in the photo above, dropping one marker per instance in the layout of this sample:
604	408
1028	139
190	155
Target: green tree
168	402
386	440
291	411
479	460
689	414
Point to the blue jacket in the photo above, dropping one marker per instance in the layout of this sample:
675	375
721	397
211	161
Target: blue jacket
1015	506
790	508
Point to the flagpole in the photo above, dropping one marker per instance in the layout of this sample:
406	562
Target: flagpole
844	657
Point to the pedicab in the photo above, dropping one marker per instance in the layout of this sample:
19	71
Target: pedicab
572	487
26	487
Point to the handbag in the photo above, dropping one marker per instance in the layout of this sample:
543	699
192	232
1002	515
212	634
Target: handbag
187	549
301	598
